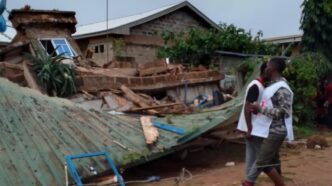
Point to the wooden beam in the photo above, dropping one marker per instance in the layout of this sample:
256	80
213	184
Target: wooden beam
134	97
152	71
156	106
150	132
31	78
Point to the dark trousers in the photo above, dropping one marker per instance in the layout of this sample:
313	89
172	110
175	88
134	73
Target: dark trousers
268	156
329	116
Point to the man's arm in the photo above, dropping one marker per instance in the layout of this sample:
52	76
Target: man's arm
252	96
283	108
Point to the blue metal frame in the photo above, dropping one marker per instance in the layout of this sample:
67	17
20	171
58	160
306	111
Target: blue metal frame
168	127
74	173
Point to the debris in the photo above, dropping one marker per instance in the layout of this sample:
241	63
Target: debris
316	141
150	132
120	144
295	144
138	100
168	127
230	164
134	97
155	107
153	71
30	78
88	95
318	147
153	178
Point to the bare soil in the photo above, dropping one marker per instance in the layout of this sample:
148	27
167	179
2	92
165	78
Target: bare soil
300	167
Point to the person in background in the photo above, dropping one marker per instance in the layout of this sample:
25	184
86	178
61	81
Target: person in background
328	96
320	110
253	94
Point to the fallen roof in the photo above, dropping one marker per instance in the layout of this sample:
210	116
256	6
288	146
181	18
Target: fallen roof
38	131
121	25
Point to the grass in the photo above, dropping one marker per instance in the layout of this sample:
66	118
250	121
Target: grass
304	131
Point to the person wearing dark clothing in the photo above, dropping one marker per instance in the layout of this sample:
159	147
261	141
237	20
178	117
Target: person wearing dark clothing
328	95
275	119
254	94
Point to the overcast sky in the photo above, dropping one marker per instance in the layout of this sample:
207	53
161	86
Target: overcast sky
273	17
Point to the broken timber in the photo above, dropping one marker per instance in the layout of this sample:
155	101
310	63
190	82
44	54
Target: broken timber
156	106
92	82
31	78
150	132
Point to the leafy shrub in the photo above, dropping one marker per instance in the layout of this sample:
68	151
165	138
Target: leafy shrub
198	46
55	77
303	74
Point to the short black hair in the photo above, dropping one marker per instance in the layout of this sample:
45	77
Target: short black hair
279	62
263	67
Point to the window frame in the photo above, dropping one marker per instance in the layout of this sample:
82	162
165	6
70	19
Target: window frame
72	52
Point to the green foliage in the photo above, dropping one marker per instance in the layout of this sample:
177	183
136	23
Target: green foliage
303	74
55	77
303	131
248	66
119	47
316	25
198	46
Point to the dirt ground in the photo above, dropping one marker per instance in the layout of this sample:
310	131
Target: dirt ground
300	167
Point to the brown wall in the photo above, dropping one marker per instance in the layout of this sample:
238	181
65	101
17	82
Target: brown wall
294	51
142	43
47	32
177	22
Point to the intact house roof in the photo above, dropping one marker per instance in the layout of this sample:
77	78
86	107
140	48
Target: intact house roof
7	36
123	24
285	39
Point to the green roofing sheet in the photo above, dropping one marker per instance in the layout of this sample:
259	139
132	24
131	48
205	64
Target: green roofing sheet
38	131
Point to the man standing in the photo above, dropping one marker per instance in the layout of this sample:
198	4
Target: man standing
328	95
253	94
274	121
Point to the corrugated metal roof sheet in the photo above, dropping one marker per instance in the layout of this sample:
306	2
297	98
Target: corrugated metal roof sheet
38	131
101	27
7	36
113	23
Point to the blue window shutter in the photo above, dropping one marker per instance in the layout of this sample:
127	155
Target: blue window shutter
62	47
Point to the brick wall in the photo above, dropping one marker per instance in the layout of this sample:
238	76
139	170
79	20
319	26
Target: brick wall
144	50
177	22
97	43
144	39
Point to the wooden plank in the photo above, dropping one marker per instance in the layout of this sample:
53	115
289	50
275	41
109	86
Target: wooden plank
88	95
11	66
152	71
150	132
30	78
134	97
156	106
14	60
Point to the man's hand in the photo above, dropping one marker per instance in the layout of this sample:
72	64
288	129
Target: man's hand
254	108
248	135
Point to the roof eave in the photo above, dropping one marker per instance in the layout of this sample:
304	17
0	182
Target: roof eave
125	29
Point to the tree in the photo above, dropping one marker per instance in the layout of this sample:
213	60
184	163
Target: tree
198	46
303	74
316	25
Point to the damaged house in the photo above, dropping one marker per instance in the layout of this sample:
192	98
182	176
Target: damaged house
52	30
38	131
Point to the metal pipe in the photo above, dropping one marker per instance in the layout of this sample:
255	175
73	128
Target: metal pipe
107	46
66	174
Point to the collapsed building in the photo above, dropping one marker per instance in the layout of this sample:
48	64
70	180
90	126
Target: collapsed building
39	131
